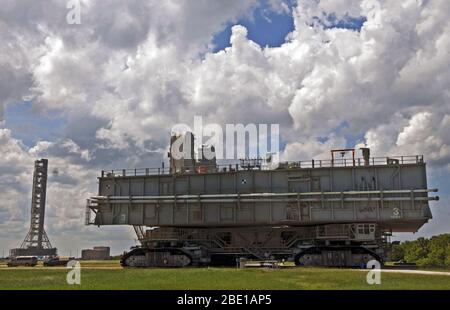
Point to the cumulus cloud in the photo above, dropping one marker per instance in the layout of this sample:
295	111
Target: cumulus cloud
423	133
386	80
132	69
66	193
312	148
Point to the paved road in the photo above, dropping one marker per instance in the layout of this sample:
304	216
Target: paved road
425	272
406	271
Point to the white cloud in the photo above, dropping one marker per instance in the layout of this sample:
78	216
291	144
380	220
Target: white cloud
67	191
312	149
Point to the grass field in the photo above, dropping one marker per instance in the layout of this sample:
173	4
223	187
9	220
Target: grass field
111	276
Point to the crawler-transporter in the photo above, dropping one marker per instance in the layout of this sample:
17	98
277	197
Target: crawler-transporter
337	212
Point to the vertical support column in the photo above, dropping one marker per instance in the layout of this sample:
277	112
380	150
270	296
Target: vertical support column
299	209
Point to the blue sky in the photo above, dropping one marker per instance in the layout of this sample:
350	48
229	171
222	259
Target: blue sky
30	125
265	27
270	28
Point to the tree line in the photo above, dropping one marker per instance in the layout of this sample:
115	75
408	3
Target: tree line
433	252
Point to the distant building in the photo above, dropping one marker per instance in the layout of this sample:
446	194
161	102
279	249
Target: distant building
97	253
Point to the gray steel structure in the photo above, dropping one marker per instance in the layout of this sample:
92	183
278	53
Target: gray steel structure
36	242
333	212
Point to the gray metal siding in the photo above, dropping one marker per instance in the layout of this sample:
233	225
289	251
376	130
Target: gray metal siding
265	212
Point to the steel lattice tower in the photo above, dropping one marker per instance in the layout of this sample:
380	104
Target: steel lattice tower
36	242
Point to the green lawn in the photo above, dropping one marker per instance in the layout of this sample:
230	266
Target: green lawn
214	278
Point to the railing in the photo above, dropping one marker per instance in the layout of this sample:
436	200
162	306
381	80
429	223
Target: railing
327	163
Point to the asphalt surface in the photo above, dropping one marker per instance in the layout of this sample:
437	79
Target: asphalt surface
425	272
389	270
